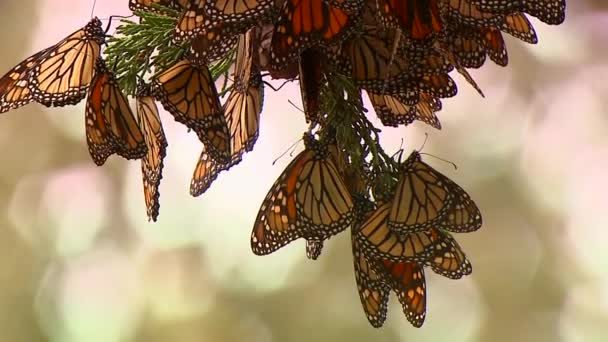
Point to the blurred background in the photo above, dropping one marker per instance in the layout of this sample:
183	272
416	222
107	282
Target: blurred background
79	261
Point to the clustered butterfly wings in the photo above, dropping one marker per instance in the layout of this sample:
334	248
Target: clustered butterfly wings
399	52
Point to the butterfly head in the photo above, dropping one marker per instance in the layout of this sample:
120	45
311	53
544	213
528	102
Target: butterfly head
95	31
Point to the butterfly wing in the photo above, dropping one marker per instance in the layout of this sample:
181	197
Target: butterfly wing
62	75
373	292
188	92
408	281
381	242
449	260
518	25
155	6
152	163
393	112
275	225
551	12
306	23
110	124
14	86
418	20
311	79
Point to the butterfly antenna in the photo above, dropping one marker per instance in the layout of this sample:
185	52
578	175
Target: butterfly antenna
289	150
443	160
112	18
295	106
272	87
93	9
426	137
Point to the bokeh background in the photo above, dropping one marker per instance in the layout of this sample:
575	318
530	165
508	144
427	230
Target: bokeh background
79	261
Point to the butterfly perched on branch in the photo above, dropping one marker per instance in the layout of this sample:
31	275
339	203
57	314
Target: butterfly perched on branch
309	200
57	76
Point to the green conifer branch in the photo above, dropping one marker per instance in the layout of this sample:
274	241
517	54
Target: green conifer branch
140	48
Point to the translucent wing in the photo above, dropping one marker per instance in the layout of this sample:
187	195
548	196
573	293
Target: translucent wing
110	124
14	86
63	74
424	199
308	201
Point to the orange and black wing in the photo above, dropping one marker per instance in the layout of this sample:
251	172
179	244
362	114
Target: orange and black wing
57	76
63	74
552	12
276	223
156	6
408	281
449	259
393	112
307	23
309	200
14	86
242	13
417	19
374	292
518	25
152	162
187	91
381	242
425	198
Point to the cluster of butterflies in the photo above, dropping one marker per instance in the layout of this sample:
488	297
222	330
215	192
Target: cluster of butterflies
393	237
399	52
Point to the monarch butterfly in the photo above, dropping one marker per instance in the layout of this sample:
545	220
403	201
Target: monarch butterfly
14	90
419	20
349	6
425	199
187	91
381	242
392	112
241	12
154	136
370	59
156	6
305	23
468	50
311	78
461	70
551	12
192	21
518	25
449	260
110	125
57	76
373	291
209	40
212	45
464	12
495	46
408	281
309	200
471	45
373	275
242	111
